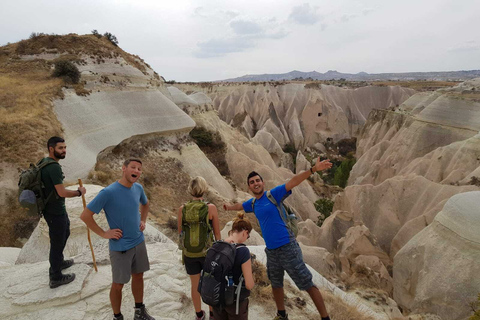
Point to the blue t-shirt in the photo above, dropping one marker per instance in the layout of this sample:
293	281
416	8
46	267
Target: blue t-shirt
274	230
121	206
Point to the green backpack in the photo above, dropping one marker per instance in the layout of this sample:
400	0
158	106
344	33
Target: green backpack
286	213
196	230
31	189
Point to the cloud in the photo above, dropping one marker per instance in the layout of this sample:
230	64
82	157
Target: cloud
245	27
220	47
305	14
347	17
465	47
367	11
243	34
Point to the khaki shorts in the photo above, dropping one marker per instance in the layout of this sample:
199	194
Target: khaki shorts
126	263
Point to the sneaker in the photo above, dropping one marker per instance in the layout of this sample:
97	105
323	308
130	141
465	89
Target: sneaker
202	317
67	264
279	317
119	318
66	278
142	314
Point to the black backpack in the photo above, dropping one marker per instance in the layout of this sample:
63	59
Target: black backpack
31	189
216	285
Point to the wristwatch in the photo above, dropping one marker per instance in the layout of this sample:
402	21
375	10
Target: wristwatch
79	192
311	170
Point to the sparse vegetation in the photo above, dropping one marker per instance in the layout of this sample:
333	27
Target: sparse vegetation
475	181
112	38
328	175
214	148
324	206
96	34
342	173
476	309
67	71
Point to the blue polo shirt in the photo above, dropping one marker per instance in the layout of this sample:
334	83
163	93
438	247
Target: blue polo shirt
121	206
274	230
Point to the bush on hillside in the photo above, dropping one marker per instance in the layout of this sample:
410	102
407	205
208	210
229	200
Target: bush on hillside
324	207
67	71
110	37
343	172
475	307
328	175
96	34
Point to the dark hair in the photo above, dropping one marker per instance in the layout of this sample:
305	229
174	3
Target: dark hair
127	162
253	174
241	223
52	142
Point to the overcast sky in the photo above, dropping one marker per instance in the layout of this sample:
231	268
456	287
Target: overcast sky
212	39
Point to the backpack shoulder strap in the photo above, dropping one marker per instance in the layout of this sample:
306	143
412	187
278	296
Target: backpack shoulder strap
272	198
253	204
281	212
46	163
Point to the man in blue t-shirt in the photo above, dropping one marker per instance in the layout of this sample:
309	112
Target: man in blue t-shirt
283	252
128	254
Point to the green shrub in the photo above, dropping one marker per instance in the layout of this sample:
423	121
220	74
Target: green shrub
202	137
324	206
110	37
328	175
343	172
96	34
67	71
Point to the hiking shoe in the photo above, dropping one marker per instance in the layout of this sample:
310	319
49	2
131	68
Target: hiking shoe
202	317
279	317
119	318
66	278
142	314
66	264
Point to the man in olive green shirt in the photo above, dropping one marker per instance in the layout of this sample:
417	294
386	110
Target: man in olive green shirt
55	213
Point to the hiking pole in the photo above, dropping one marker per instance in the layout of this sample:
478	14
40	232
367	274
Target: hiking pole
88	229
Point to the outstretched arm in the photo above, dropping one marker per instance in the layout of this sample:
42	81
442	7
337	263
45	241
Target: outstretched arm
236	207
300	177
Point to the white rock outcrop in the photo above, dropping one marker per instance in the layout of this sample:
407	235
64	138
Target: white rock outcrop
437	270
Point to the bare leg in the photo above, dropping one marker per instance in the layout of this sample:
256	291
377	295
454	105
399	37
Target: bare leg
279	297
318	300
137	287
196	299
116	297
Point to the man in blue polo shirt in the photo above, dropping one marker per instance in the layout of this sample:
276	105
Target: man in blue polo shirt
283	252
128	254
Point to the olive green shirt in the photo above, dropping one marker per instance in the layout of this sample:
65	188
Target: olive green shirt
51	176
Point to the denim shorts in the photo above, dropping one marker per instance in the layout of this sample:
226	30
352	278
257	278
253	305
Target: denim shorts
288	258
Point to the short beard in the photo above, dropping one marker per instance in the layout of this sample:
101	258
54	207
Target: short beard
58	155
257	193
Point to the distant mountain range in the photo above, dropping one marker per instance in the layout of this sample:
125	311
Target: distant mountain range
361	76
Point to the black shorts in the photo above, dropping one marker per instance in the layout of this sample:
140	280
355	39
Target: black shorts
193	265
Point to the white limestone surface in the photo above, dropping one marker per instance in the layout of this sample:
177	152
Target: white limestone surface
8	255
437	270
103	119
